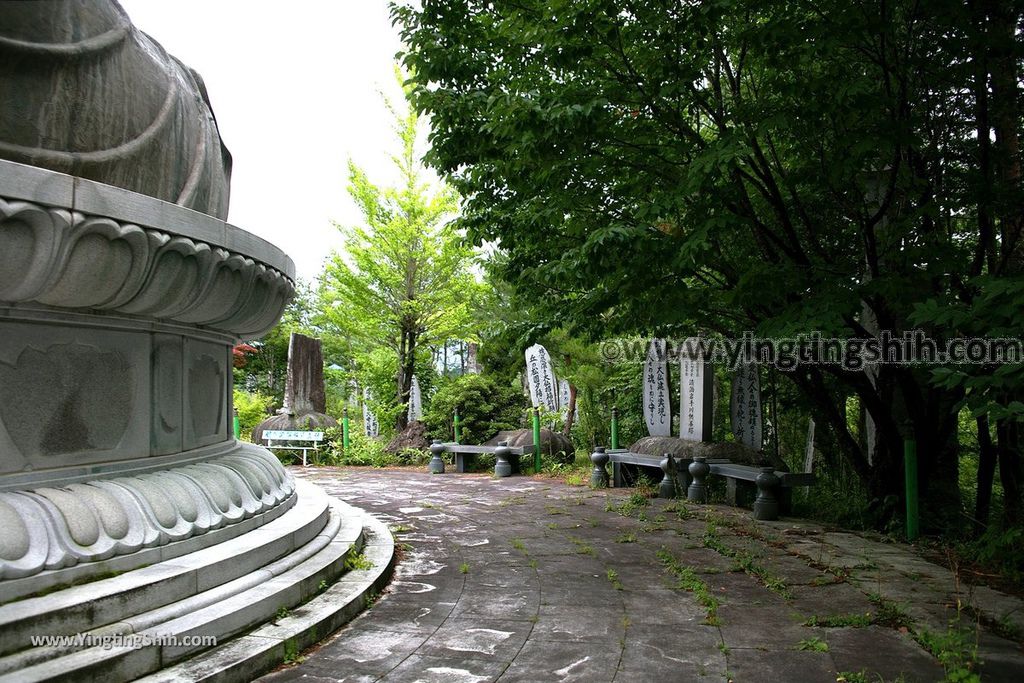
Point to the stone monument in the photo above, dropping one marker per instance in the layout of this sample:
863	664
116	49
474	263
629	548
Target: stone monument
371	426
541	378
696	395
127	508
304	397
747	420
415	410
657	402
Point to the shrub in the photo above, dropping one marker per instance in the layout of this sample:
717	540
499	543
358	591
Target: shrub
362	450
485	408
252	409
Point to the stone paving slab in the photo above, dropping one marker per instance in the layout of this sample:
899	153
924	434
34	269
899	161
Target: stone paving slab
526	579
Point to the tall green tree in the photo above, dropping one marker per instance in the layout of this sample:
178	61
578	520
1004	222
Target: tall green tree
403	281
660	167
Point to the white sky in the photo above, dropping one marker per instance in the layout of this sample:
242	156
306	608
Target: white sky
296	90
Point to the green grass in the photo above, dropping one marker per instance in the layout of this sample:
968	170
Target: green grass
889	613
812	645
581	546
613	576
358	561
745	561
628	537
679	508
841	621
687	580
464	568
956	650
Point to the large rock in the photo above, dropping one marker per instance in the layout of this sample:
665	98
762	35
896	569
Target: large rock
553	445
310	422
413	436
681	448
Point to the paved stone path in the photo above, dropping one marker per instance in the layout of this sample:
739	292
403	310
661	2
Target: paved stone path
523	579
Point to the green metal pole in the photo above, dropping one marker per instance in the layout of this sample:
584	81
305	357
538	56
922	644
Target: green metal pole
615	427
536	439
455	422
237	425
910	473
344	429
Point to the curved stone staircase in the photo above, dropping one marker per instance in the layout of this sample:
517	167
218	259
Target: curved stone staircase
263	596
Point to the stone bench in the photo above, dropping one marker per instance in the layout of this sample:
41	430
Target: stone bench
293	440
773	487
683	474
507	457
667	471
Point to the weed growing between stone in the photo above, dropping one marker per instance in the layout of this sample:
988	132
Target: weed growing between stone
812	645
687	580
745	561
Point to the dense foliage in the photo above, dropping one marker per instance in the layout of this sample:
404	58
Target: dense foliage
486	406
668	168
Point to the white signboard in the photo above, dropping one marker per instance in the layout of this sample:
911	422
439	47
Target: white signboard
541	378
694	399
746	406
657	402
415	401
371	427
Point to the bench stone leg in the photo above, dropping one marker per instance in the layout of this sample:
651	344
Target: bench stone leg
617	475
667	488
699	470
502	466
463	461
436	465
766	507
599	475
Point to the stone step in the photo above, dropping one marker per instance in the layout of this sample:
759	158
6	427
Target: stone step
108	601
222	612
259	651
164	643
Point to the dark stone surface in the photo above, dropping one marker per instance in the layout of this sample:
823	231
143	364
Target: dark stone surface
99	99
552	444
413	436
512	580
680	448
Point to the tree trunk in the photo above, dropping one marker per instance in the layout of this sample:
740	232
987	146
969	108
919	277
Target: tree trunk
1008	434
938	457
403	381
987	458
1005	112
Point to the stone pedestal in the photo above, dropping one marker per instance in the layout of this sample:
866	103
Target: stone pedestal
117	317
